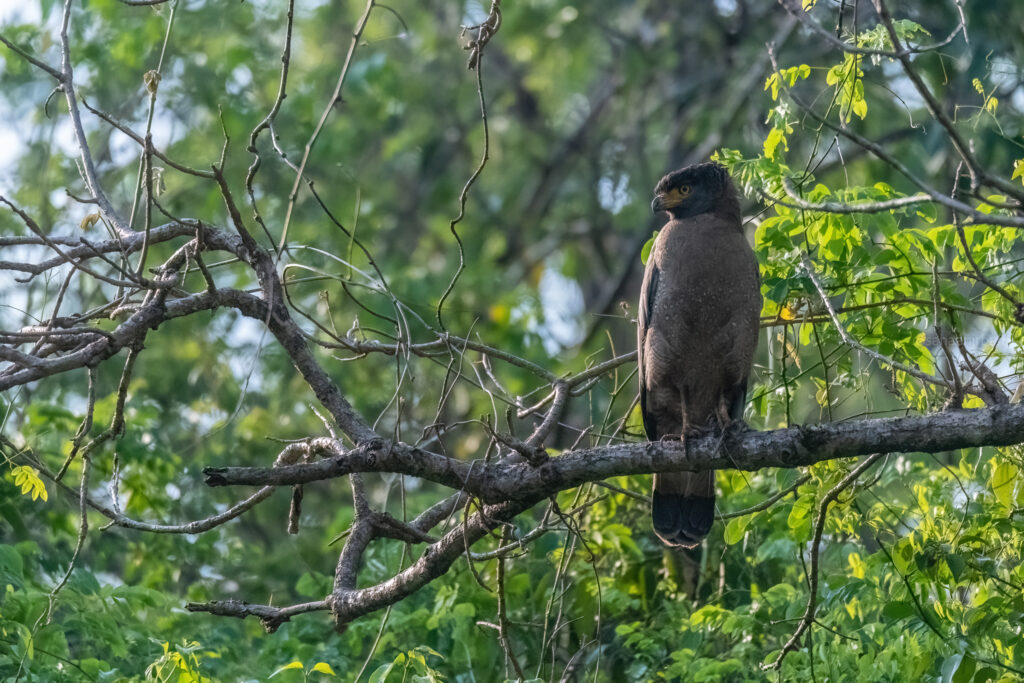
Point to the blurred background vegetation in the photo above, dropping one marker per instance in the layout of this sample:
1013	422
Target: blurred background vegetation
588	104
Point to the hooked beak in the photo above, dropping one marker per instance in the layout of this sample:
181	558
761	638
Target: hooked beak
658	204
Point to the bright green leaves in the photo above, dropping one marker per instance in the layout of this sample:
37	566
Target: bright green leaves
836	236
908	30
877	37
288	667
418	661
771	143
779	116
1018	170
800	518
877	265
857	566
181	663
788	76
1005	482
990	102
320	668
618	537
27	479
847	78
736	527
961	668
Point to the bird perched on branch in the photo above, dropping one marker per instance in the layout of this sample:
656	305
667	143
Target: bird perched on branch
696	335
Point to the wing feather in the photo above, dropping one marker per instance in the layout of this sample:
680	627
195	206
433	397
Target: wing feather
648	291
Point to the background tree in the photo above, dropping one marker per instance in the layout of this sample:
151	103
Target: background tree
283	245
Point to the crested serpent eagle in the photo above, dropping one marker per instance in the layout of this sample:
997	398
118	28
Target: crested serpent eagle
696	334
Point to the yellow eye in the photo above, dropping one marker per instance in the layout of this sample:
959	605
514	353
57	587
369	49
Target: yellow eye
684	190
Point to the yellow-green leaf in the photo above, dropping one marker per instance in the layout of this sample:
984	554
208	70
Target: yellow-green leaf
903	555
736	527
860	107
1018	170
772	142
293	665
28	480
1004	479
324	668
857	565
800	514
834	74
645	253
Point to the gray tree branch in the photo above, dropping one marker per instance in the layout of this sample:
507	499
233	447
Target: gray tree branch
504	481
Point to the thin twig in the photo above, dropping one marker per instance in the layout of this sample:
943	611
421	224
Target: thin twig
812	577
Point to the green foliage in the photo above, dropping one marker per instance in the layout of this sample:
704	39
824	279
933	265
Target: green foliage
645	253
848	80
181	664
412	661
27	479
318	668
921	574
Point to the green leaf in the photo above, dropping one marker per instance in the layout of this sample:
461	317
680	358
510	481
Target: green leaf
1018	170
849	87
907	28
956	565
898	609
429	650
834	74
382	672
860	107
736	527
11	562
950	666
293	665
1003	482
645	253
799	519
806	330
959	668
324	668
28	480
772	142
903	555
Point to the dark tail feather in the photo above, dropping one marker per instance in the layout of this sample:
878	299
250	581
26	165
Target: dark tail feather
683	507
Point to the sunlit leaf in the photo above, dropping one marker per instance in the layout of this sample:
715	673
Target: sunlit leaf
291	665
28	480
324	668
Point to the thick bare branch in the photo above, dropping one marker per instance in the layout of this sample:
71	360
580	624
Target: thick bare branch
504	481
519	486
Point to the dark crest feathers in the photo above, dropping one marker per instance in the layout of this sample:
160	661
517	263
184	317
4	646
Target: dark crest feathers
711	174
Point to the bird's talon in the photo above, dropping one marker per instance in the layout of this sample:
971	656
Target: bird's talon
738	427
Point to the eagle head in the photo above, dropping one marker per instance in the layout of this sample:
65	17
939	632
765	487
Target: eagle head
694	190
